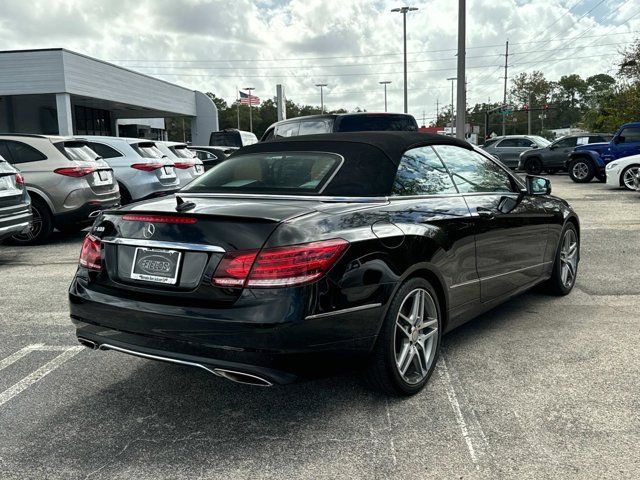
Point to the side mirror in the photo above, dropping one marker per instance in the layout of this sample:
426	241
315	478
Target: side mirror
618	139
537	185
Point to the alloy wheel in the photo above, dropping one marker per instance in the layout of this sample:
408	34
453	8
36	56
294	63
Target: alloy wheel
631	176
415	336
35	228
580	170
569	258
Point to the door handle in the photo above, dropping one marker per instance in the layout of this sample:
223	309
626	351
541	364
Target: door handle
485	213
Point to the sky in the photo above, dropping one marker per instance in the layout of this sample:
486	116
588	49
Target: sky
351	45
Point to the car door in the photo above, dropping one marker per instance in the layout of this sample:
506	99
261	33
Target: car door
511	228
628	142
508	150
559	151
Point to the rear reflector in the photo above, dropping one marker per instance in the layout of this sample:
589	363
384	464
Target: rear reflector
132	217
184	165
90	253
75	171
148	167
19	179
279	267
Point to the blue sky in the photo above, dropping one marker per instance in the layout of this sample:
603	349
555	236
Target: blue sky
349	44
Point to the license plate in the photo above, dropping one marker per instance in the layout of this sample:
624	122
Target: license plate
168	172
156	265
102	177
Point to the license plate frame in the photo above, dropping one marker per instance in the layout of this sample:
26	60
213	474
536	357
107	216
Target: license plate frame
102	177
152	271
168	172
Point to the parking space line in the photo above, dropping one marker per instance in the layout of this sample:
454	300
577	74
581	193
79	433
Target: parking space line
39	374
14	357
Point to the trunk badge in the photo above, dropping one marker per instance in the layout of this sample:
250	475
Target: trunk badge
149	230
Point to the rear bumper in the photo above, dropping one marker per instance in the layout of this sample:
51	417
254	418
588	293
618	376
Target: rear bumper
15	223
86	213
251	337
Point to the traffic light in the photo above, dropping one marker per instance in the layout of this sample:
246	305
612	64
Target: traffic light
546	106
525	108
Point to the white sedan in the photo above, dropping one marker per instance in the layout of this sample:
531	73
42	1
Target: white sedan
624	172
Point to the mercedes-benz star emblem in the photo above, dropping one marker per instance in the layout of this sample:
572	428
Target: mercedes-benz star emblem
149	230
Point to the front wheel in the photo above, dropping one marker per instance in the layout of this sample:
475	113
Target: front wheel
407	349
581	170
630	176
565	266
533	166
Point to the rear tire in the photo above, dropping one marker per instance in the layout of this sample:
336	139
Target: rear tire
533	166
408	345
565	266
41	226
581	170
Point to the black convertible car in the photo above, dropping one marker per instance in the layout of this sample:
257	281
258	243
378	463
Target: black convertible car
320	254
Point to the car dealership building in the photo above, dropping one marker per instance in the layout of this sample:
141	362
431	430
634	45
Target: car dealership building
56	91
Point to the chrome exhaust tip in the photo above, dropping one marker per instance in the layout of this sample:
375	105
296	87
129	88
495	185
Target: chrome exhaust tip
244	378
95	213
88	343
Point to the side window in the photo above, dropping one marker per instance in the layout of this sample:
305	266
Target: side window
489	143
4	152
582	140
525	142
287	129
509	142
23	153
599	139
631	134
104	150
421	172
566	142
309	127
269	135
473	172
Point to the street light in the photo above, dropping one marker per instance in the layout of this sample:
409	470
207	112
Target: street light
250	113
321	85
403	11
385	83
453	79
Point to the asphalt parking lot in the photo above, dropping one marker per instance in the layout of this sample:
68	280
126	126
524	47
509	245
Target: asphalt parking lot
541	387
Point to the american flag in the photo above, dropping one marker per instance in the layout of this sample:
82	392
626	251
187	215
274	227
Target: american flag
245	99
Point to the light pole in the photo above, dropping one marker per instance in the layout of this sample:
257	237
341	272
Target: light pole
403	11
321	85
385	83
462	84
453	79
250	113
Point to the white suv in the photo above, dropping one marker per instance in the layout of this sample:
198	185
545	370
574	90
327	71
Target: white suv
188	165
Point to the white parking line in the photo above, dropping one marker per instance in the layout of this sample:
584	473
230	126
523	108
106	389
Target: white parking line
14	357
40	373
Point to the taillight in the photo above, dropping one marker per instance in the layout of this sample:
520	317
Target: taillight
132	217
184	165
75	171
90	253
19	179
279	267
148	167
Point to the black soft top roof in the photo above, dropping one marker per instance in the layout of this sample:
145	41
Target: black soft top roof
390	144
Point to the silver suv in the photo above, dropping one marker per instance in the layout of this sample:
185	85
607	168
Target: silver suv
508	148
188	165
142	171
68	184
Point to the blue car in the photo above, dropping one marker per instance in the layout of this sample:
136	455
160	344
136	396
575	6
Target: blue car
588	161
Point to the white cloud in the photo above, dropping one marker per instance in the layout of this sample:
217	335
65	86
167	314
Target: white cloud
217	45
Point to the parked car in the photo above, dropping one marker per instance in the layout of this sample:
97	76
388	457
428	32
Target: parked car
624	172
588	161
508	148
553	157
340	122
67	182
212	156
232	137
316	254
188	166
15	211
142	171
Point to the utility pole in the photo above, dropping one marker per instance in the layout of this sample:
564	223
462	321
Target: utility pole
504	98
529	114
453	79
321	85
437	110
238	105
385	83
250	113
403	11
462	83
424	118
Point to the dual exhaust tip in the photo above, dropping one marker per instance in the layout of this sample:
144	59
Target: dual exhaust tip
232	375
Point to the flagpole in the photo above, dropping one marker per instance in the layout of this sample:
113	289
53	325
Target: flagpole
238	105
250	116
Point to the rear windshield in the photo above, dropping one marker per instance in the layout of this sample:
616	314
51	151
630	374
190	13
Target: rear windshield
182	151
225	139
148	150
304	173
375	123
78	151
